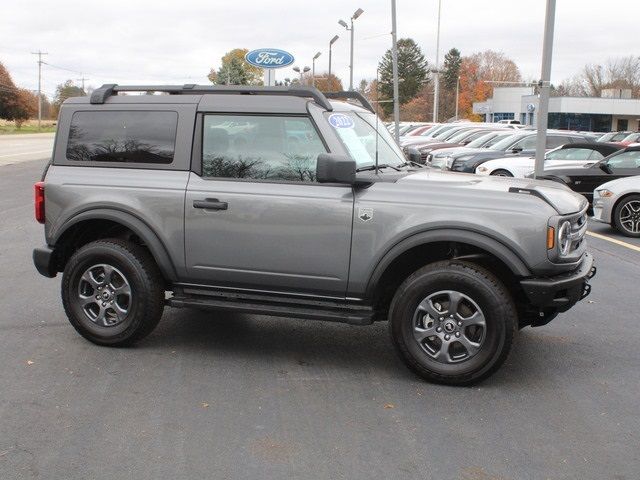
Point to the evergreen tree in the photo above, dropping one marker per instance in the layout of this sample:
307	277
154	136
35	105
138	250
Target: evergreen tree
413	73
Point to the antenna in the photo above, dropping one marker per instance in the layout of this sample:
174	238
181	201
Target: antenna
376	114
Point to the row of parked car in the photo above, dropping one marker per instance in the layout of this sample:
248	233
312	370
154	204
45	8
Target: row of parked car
605	168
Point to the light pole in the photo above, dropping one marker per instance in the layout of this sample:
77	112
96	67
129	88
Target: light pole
301	72
331	42
394	57
545	87
313	69
436	90
355	15
457	95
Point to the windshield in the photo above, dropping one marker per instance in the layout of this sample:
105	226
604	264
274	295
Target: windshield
357	131
505	143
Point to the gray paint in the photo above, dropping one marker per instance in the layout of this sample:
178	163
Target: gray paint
302	238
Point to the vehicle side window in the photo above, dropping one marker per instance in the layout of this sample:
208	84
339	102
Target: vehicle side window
557	141
260	147
528	143
630	159
119	136
573	154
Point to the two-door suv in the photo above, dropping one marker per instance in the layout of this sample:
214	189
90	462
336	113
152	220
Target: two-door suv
291	202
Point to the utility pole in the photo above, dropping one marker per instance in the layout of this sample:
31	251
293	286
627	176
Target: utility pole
82	80
394	56
545	87
436	90
40	62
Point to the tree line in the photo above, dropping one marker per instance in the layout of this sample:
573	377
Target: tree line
475	75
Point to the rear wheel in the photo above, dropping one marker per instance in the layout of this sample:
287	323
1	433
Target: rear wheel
112	292
626	217
453	322
501	173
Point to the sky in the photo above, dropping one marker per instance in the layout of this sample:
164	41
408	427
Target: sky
162	42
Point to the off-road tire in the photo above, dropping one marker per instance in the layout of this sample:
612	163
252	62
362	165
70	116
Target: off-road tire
146	287
478	284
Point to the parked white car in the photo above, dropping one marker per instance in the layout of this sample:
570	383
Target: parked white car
618	203
571	154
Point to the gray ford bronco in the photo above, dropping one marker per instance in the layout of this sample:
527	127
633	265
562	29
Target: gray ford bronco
291	202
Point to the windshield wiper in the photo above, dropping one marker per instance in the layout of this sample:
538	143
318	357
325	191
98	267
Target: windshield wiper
373	167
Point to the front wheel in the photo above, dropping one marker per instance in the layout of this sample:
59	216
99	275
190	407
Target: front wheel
626	217
112	292
453	322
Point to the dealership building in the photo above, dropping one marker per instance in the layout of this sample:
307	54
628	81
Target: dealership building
614	110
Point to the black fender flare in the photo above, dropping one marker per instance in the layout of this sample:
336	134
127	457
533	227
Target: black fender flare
491	245
133	223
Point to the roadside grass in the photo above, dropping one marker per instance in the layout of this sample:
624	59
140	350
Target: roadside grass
30	126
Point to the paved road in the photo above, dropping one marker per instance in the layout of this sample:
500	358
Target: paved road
243	397
25	147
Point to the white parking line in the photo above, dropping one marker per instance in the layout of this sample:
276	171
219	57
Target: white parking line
614	240
25	153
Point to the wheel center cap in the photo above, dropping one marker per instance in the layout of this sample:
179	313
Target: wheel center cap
105	295
449	326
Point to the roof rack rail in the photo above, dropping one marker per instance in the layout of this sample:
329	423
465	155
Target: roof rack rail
354	95
100	95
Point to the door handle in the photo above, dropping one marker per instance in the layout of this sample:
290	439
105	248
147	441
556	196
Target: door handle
210	204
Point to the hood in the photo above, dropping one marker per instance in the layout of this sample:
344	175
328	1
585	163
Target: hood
560	197
622	184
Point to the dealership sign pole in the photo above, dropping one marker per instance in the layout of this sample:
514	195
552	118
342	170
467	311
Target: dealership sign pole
269	59
545	87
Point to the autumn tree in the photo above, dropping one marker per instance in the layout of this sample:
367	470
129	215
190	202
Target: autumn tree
479	73
328	83
235	70
621	73
16	104
418	109
413	73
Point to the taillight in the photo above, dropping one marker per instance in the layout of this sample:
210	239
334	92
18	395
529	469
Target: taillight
39	201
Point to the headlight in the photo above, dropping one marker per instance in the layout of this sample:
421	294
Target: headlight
425	149
564	238
604	193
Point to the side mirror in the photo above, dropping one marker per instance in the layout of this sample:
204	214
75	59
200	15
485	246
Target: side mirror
413	155
333	168
605	168
516	149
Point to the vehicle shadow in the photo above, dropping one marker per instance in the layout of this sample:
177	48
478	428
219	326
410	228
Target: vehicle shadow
321	347
280	342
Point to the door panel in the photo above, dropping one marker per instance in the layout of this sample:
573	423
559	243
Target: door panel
269	236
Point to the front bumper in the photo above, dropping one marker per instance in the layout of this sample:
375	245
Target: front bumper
560	292
44	260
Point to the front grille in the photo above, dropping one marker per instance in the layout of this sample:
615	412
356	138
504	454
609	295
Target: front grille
578	231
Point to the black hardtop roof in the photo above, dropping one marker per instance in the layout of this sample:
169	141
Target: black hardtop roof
101	94
603	147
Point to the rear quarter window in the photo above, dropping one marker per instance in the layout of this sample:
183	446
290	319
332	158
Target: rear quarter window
122	136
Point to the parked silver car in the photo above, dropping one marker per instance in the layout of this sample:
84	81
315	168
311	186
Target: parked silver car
618	203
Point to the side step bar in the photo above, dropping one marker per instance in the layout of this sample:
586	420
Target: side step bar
274	306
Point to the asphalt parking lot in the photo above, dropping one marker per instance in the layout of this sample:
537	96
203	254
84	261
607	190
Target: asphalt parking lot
240	397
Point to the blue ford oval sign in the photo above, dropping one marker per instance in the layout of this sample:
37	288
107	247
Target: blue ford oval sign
340	120
269	58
